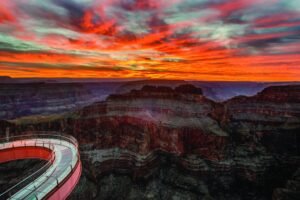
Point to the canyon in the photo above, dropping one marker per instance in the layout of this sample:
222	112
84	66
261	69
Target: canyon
27	97
162	142
42	98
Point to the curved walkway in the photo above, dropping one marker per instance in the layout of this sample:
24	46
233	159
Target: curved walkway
56	179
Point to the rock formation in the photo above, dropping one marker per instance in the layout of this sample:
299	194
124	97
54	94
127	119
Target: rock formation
134	143
270	118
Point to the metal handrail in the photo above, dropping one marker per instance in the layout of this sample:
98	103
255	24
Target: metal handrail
40	134
37	135
25	181
35	174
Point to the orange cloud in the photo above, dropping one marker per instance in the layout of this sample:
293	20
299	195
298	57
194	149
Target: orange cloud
174	39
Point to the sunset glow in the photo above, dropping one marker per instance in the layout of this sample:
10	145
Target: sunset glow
232	40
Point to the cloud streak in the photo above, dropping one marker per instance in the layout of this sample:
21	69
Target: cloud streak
204	40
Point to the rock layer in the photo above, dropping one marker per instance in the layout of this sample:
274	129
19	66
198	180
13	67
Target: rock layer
270	118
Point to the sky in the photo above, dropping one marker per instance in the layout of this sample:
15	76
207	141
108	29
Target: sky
224	40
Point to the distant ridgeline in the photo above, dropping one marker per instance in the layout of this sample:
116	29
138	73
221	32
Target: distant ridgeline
20	97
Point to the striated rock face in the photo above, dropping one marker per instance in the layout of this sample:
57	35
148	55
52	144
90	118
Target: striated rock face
271	118
180	141
18	100
176	121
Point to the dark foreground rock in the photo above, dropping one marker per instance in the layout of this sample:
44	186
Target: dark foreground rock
13	172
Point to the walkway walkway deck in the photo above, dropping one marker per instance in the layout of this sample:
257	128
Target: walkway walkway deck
56	179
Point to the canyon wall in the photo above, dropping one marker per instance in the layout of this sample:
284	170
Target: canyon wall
177	139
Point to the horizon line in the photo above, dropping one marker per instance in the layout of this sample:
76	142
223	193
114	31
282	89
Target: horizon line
154	79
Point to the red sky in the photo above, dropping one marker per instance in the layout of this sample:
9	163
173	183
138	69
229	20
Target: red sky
232	40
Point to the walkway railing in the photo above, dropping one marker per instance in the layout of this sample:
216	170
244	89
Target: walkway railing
40	134
58	173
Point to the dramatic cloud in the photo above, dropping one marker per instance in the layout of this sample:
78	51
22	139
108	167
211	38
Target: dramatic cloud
257	40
